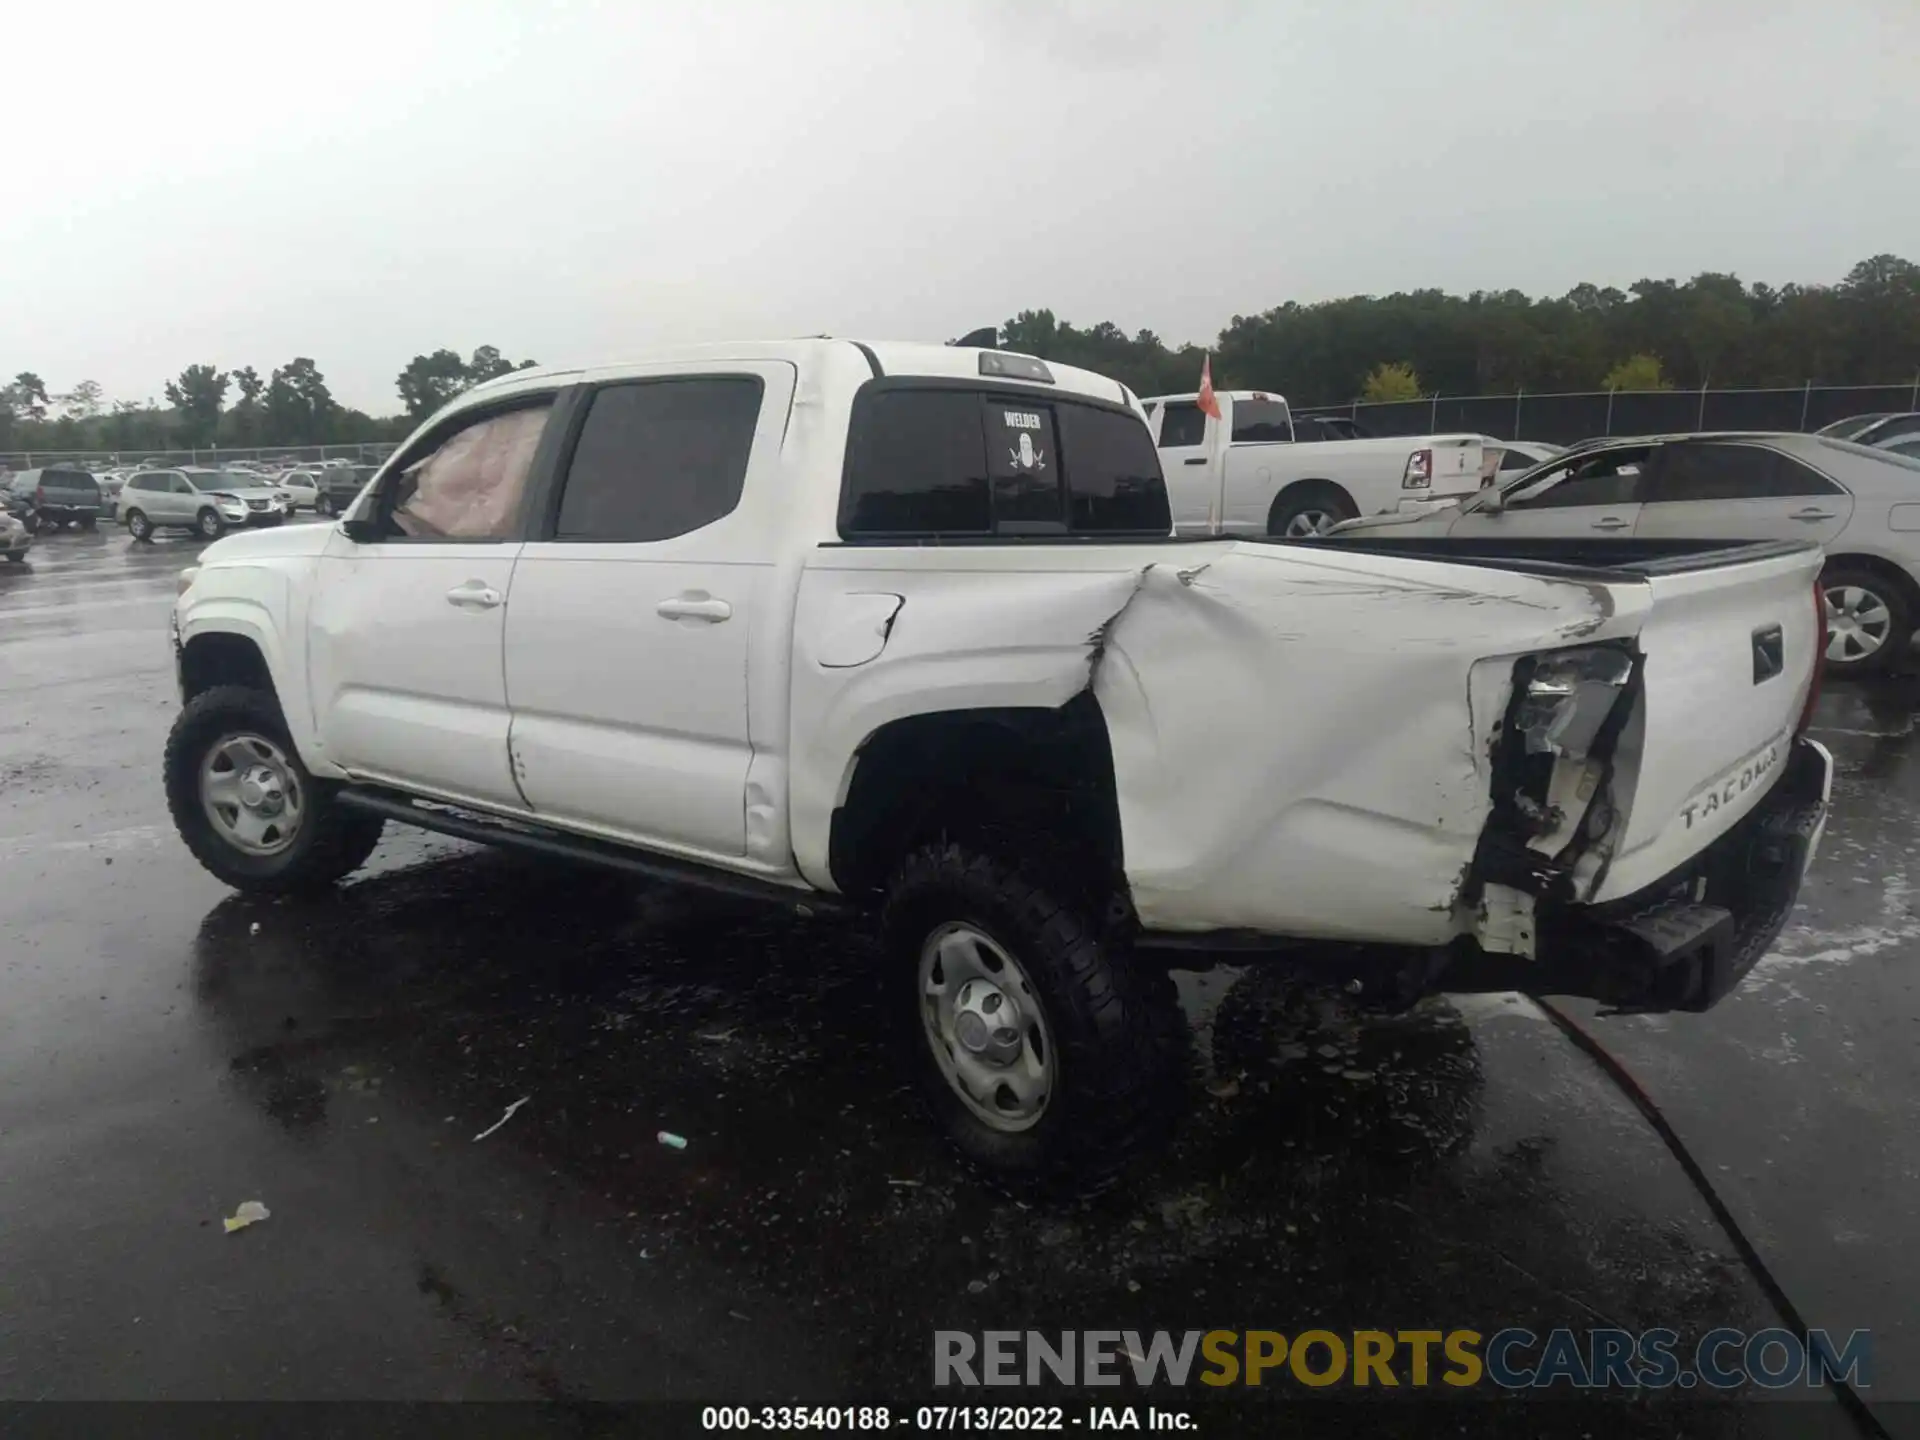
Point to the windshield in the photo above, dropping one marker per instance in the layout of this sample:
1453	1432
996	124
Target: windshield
204	482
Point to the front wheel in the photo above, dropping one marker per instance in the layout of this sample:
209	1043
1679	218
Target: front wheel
138	525
1045	1051
246	806
1868	620
209	525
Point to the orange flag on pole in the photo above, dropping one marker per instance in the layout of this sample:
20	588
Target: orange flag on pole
1209	403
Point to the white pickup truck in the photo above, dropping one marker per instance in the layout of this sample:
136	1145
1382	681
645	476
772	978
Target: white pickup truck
905	628
1255	471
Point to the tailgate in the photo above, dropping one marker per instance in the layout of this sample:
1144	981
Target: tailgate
1456	463
1730	655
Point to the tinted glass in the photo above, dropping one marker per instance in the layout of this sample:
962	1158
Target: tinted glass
1261	420
1906	447
1851	426
69	480
1613	478
1023	460
1513	461
1731	472
659	459
1183	424
1900	425
1114	482
916	465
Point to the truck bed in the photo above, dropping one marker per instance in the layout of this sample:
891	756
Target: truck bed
1562	556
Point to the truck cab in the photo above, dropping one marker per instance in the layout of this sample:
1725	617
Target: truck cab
1257	471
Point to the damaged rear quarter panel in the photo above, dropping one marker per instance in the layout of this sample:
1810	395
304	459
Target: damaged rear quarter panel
1300	738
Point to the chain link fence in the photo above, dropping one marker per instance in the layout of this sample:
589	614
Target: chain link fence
214	456
1564	419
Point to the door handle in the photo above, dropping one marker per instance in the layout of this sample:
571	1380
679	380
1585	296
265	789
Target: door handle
694	606
1195	460
1612	522
1812	515
477	593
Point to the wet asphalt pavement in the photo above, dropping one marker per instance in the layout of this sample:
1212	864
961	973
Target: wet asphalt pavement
168	1050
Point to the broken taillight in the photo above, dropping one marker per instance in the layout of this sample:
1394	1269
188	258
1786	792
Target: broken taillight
1819	656
1419	474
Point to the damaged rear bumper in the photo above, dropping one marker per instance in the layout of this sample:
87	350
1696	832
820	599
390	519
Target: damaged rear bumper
1684	942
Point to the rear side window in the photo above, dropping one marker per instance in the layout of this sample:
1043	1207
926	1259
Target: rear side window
659	458
1261	422
938	462
1182	425
1732	472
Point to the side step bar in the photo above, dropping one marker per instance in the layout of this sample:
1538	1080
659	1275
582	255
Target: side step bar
558	845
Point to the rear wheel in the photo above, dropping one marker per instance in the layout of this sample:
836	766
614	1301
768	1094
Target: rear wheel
324	506
209	524
138	525
87	522
1868	620
1311	509
33	522
246	806
1044	1049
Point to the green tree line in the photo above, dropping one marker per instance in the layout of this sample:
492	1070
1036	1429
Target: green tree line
233	409
1712	330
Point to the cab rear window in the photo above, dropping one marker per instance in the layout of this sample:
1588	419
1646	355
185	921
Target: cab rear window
933	462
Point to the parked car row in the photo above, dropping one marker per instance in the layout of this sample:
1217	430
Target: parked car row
1860	502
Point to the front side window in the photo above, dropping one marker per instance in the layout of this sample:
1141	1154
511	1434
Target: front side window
470	485
1512	462
1182	425
1612	478
1260	421
659	458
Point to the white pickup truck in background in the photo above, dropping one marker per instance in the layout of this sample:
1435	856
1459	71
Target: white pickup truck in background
904	629
1251	472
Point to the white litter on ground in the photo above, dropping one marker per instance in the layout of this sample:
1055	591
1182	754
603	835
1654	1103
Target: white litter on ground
504	1118
251	1212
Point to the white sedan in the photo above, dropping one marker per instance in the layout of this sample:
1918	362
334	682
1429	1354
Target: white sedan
299	488
1862	504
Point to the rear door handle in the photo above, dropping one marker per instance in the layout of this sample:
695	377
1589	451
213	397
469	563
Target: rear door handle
1812	515
1612	522
697	605
1196	460
475	593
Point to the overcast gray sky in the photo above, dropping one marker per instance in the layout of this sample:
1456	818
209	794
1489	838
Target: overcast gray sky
359	182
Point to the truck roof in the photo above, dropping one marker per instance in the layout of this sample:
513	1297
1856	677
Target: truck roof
882	357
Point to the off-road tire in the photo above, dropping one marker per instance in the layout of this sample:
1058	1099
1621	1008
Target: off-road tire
1119	1036
332	841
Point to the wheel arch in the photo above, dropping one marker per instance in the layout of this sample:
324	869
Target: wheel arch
234	642
1296	491
1888	570
1015	780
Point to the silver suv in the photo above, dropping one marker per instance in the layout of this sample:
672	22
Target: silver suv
207	502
